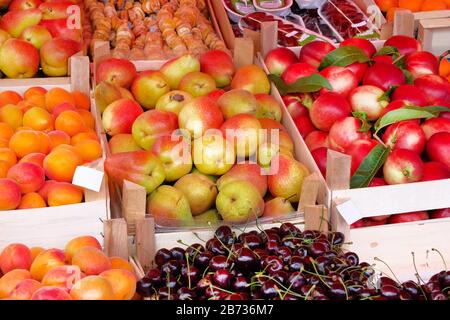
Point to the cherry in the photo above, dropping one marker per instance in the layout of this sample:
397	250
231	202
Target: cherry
309	235
432	286
204	283
288	229
336	238
216	247
411	287
354	287
222	278
321	264
154	276
444	278
269	235
177	253
193	250
387	281
281	277
390	292
290	297
252	241
219	262
237	246
296	281
320	297
261	253
144	287
284	253
317	249
162	256
351	258
438	295
235	296
272	264
272	247
171	267
191	274
225	235
291	243
338	291
202	260
330	255
215	293
297	263
246	259
239	284
302	251
405	295
367	292
270	289
186	294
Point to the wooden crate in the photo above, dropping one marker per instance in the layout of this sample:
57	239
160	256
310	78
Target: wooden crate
434	34
392	243
54	226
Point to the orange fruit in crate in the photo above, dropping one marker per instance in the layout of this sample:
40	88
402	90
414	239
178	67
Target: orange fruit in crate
4	167
88	135
12	115
8	156
34	91
37	100
432	5
81	100
385	5
6	131
88	118
57	96
63	193
58	137
60	164
9	97
413	5
444	68
89	150
32	200
390	15
38	119
71	122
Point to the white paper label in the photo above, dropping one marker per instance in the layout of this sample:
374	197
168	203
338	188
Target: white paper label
88	178
359	24
349	212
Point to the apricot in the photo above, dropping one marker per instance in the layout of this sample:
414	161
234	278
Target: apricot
91	260
123	283
15	256
71	122
4	167
26	141
24	106
34	91
37	100
36	157
60	163
25	289
92	288
4	143
81	100
44	190
44	142
10	195
58	137
88	118
9	97
88	135
8	156
12	115
29	176
65	106
63	193
38	119
6	131
35	252
57	96
10	280
32	200
50	293
63	276
80	242
45	261
120	263
89	150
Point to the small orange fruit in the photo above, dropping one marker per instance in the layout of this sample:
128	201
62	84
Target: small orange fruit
71	122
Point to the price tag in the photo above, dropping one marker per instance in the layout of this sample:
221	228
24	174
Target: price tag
88	178
349	212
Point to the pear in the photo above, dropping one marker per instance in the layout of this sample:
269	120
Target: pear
200	191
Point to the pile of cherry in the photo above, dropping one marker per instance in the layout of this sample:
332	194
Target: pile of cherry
281	263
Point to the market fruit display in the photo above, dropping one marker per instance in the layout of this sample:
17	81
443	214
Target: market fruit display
389	7
44	136
81	271
153	30
223	115
36	39
280	263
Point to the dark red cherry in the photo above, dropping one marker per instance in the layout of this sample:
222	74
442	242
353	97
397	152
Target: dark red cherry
387	281
291	243
296	281
351	258
390	292
288	229
272	264
281	277
411	287
171	267
144	287
297	263
166	293
404	295
225	235
252	241
438	295
177	253
245	260
219	262
193	250
240	284
270	289
154	275
317	249
215	246
202	260
284	253
190	275
301	251
336	238
222	278
186	294
338	291
162	256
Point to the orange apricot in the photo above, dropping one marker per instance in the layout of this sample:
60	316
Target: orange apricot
15	256
63	276
413	5
9	97
37	100
80	242
63	193
32	200
88	135
50	293
26	141
123	283
12	115
35	252
65	106
81	100
60	163
57	96
44	190
29	176
92	288
8	156
91	260
120	263
58	137
89	150
38	119
432	5
4	167
88	118
25	289
10	280
6	131
45	261
71	122
34	91
36	157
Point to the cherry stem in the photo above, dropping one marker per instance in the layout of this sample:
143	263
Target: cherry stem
378	259
442	257
419	278
317	272
313	287
189	270
198	237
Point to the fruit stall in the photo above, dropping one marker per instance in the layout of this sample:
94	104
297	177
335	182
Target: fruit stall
224	150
